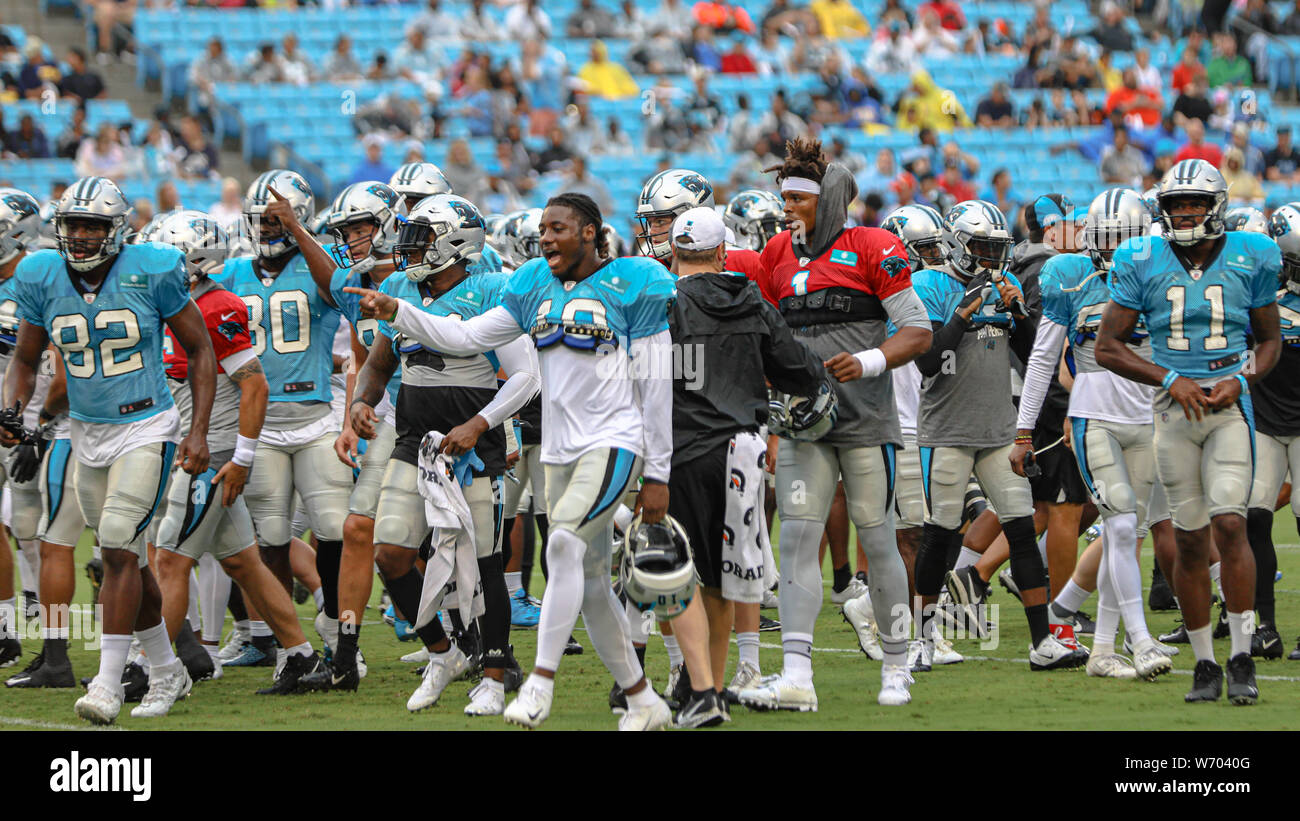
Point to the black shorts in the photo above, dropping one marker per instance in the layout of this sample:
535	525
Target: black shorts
1061	482
697	498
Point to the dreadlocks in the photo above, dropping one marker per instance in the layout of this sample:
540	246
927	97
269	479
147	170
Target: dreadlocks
803	158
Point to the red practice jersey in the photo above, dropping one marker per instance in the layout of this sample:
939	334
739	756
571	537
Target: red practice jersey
870	260
226	318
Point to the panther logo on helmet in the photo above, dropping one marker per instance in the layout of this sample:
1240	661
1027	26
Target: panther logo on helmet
469	217
24	206
385	193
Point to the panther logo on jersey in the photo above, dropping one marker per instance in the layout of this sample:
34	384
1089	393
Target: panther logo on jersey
894	265
230	329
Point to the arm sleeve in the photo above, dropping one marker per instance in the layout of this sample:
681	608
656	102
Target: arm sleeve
906	310
519	361
1038	372
654	392
946	338
493	329
788	363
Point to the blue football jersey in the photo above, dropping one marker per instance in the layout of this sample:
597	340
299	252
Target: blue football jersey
1074	295
1288	309
489	263
350	305
111	341
8	319
474	295
292	325
1198	324
941	293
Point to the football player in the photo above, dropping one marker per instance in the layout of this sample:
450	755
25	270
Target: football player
1110	425
837	288
1197	289
601	330
104	305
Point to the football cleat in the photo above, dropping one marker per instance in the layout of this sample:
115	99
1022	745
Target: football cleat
488	698
1166	650
1294	655
135	682
389	615
780	693
1176	636
971	593
166	687
895	686
442	669
920	656
702	709
643	719
766	625
100	704
859	615
11	649
1151	663
514	673
572	648
674	683
234	645
1083	624
1009	584
251	656
523	612
531	707
1111	665
1207	682
1064	633
770	600
331	676
854	589
943	652
1264	644
40	674
199	665
617	700
1241	680
420	656
1221	629
747	676
296	668
947	615
1051	654
1161	597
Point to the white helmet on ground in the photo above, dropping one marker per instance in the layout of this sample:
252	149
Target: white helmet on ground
921	229
293	188
754	217
1193	179
199	238
373	202
978	238
91	198
657	571
666	196
1114	216
442	230
20	223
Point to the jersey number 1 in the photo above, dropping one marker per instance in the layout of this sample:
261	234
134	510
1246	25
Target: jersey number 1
1177	298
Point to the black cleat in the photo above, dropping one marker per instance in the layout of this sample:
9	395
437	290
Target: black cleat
135	683
1266	643
296	667
1295	654
681	692
1207	682
766	625
514	676
1009	584
197	662
1083	624
300	592
1176	636
332	676
573	648
617	699
11	649
40	674
1161	597
703	709
1221	630
1241	680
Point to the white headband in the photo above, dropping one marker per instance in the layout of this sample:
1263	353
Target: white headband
803	184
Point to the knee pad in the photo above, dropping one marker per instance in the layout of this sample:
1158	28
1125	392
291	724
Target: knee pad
564	548
945	487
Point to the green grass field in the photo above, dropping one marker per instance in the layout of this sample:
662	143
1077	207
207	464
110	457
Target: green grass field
993	689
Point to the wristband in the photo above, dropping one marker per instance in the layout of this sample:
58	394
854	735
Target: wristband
1245	386
1169	379
872	361
245	448
1024	438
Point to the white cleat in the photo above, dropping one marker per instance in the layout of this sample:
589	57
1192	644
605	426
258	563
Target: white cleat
855	589
166	687
216	666
770	601
895	686
442	669
362	669
747	676
920	656
1166	650
530	708
488	698
674	676
1052	654
420	656
233	647
1111	665
858	613
943	652
100	704
1151	663
780	693
644	719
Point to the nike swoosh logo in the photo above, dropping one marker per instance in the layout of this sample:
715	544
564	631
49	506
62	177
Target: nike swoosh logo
227	317
337	679
1269	644
533	715
890	248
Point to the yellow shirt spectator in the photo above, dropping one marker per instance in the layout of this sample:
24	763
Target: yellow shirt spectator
605	78
839	20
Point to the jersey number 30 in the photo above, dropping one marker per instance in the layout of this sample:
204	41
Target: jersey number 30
79	356
293	303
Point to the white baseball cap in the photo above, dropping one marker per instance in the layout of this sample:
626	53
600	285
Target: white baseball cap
699	229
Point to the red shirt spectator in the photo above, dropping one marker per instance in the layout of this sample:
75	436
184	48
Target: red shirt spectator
1209	152
1131	101
1186	71
722	16
950	14
958	188
738	61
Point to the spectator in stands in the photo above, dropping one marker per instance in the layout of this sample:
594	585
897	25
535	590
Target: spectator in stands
373	166
949	13
738	59
166	197
703	50
585	133
577	180
967	163
1282	162
513	166
379	70
295	66
1165	153
1192	103
926	105
894	12
526	21
617	141
906	191
1027	76
1227	67
1243	186
659	53
1291	25
208	69
38	72
228	210
1196	148
720	15
871	210
434	22
1112	32
70	140
263	66
839	151
773	55
1253	23
1110	77
932	39
704	104
475	102
508	102
340	66
779	124
1001	193
1188	69
783	16
840	20
740	126
108	15
1039	31
953	184
629	23
27	142
80	84
1148	76
894	53
878	177
463	172
1140	107
673	17
540	72
557	153
1251	157
589	20
995	110
1122	163
415	61
605	78
477	26
102	156
198	156
749	171
158	154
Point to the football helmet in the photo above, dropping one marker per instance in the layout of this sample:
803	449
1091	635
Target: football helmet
805	418
978	237
657	572
1187	179
91	198
20	223
1114	216
1245	218
1284	228
521	236
373	202
293	188
921	229
417	180
199	238
754	217
442	230
149	232
613	242
667	195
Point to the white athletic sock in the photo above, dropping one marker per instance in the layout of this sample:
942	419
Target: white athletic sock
797	658
112	659
303	649
192	614
1215	570
1241	626
747	643
97	552
563	601
1071	598
214	596
1042	547
154	643
1119	554
514	582
674	651
1107	609
645	698
8	617
966	558
318	596
1202	640
258	628
213	650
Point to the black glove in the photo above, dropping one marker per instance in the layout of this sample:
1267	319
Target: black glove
974	291
29	453
11	419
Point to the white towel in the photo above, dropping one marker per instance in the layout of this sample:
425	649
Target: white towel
747	565
453	568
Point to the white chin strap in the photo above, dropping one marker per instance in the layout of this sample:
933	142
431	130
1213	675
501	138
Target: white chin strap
1188	236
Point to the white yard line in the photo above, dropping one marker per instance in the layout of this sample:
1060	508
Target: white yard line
50	725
